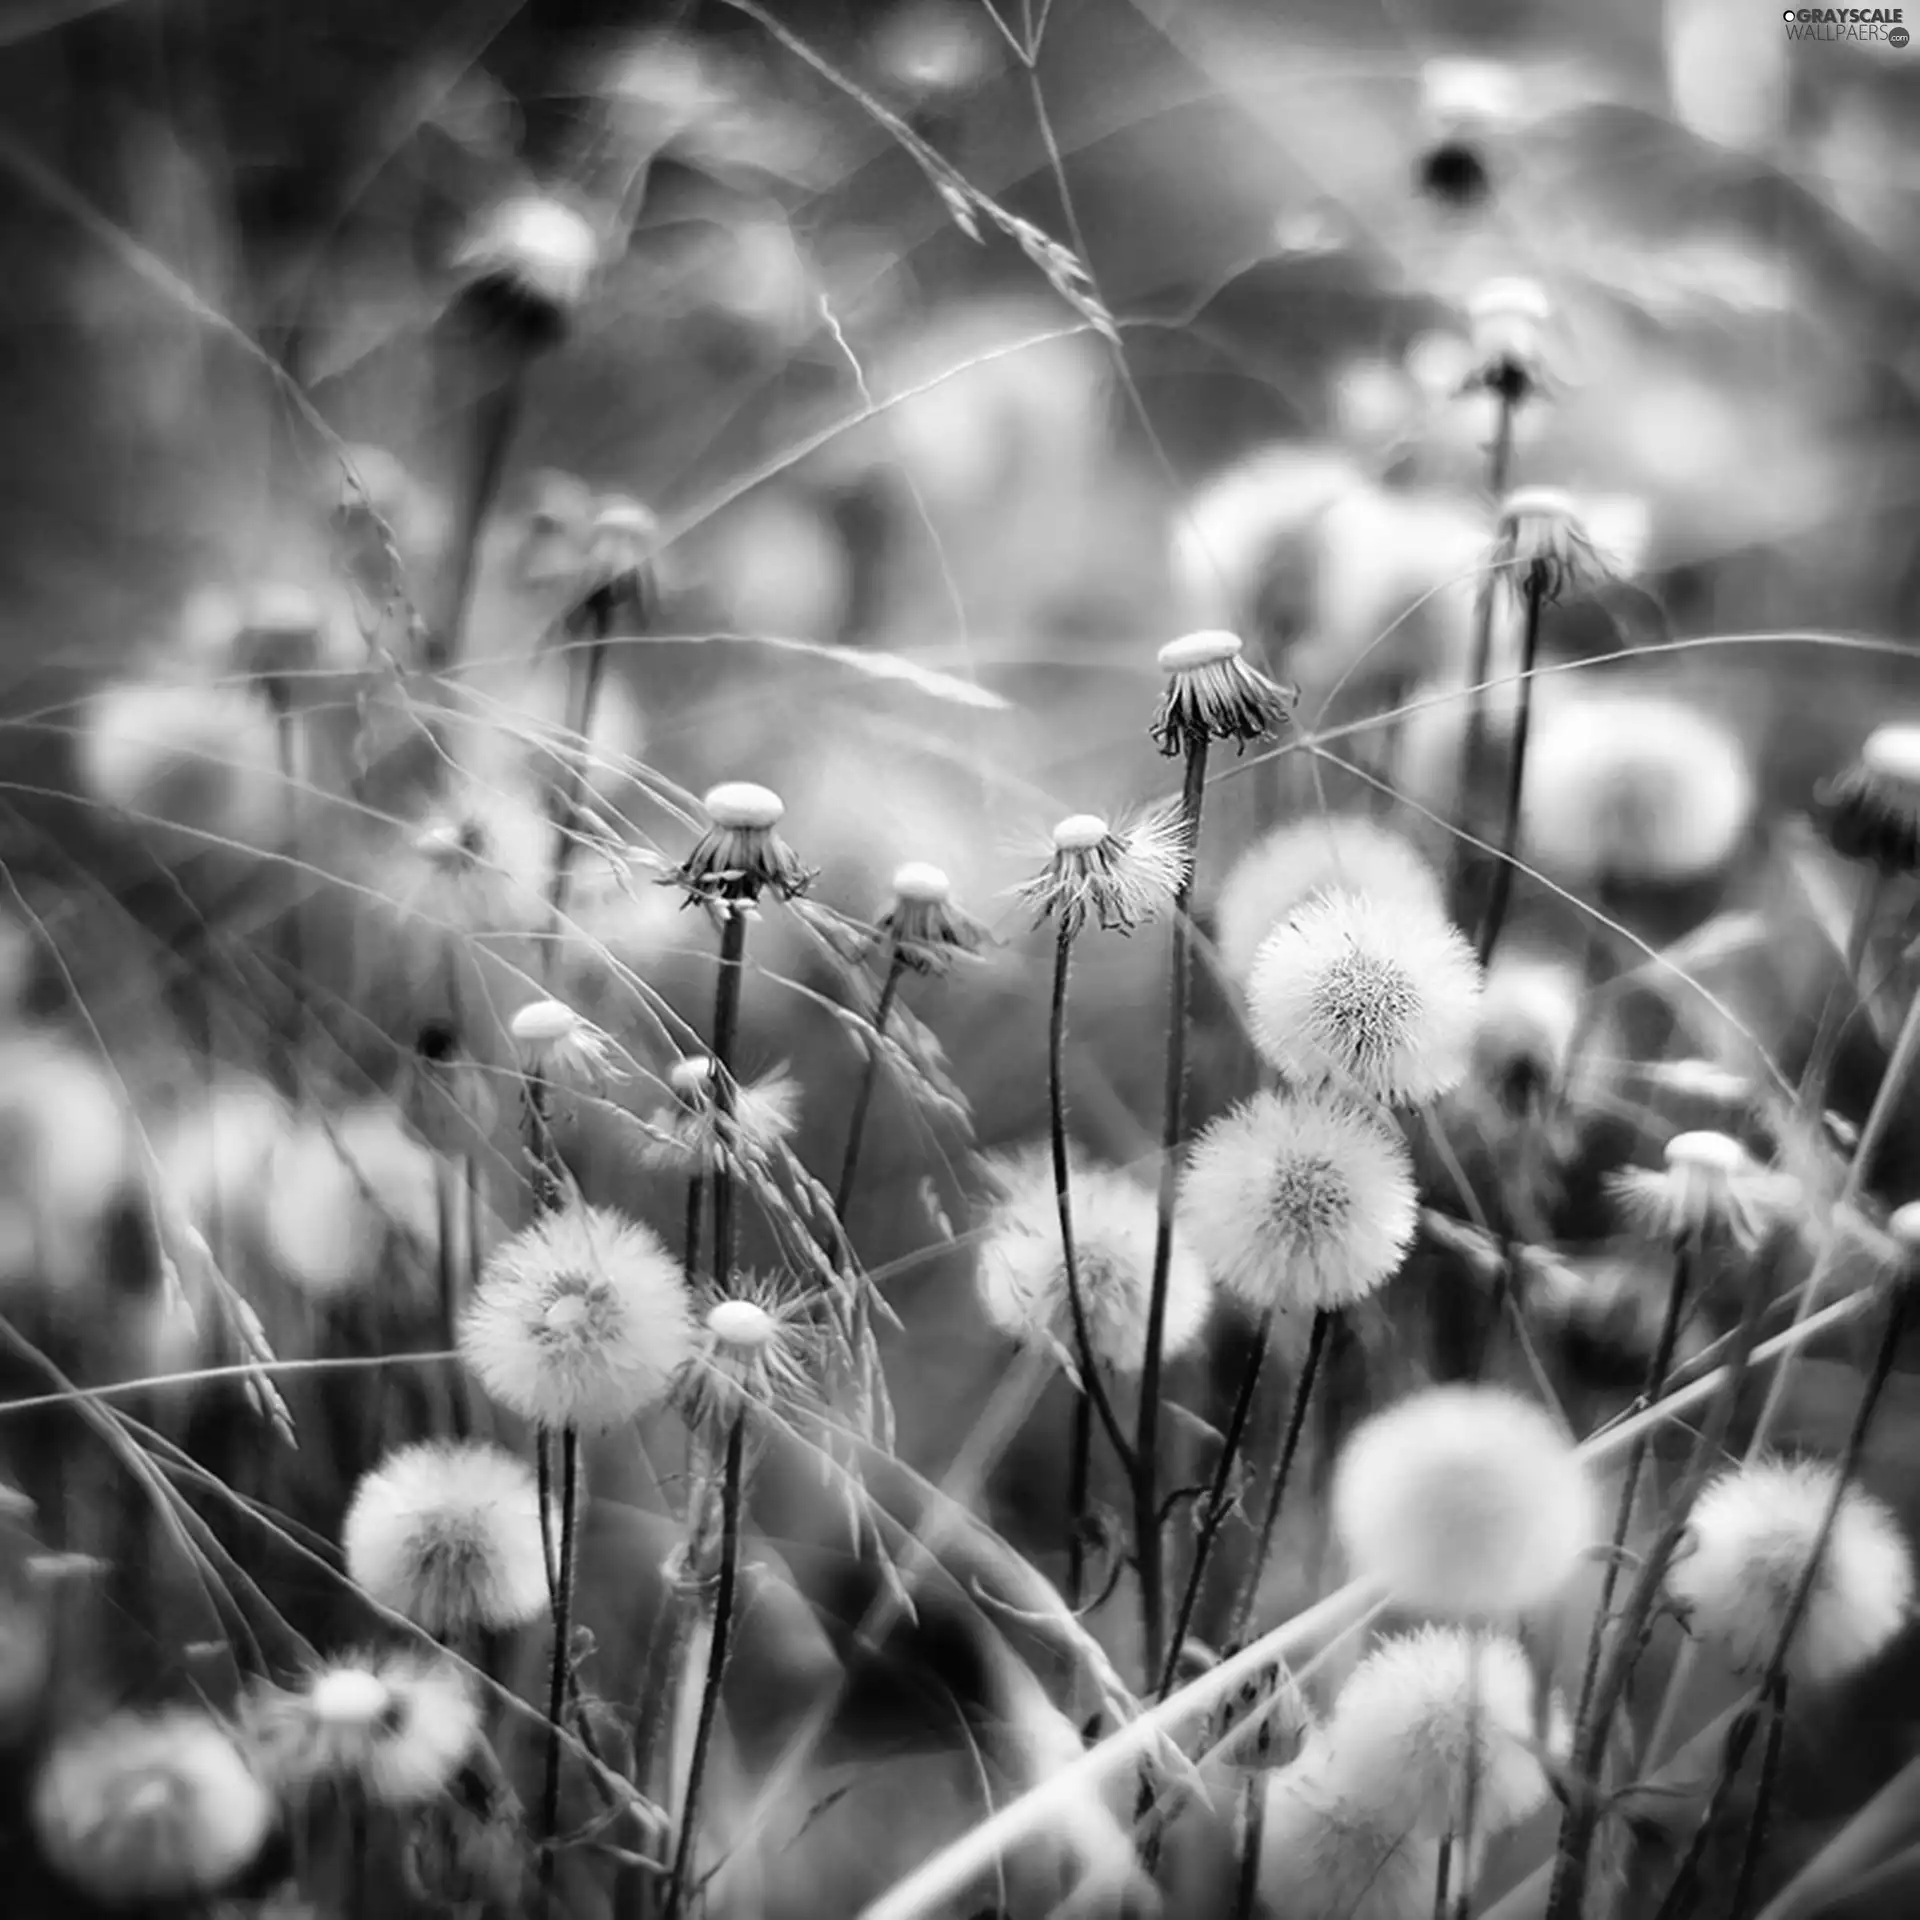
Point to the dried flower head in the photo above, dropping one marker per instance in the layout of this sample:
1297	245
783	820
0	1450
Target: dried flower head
1022	1272
527	265
1464	1500
1293	864
580	1320
619	576
1871	811
1543	546
1710	1191
1324	1858
1420	1711
693	1138
759	1345
1378	996
1213	694
1752	1533
1297	1203
740	856
448	1533
1529	1014
142	1810
562	1046
394	1727
1507	322
1462	104
279	637
922	925
1115	876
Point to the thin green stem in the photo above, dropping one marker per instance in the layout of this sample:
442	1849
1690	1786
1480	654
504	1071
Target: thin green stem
726	1026
562	1660
1501	893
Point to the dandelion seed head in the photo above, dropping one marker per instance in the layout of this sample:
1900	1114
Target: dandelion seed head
1465	1501
148	1809
1213	694
1507	322
1711	1189
693	1137
743	805
1871	810
1529	1014
1114	876
1298	1203
1377	996
349	1698
448	1533
1203	649
692	1076
1752	1532
925	928
742	1324
762	1348
1544	546
923	883
580	1320
1080	833
1022	1274
562	1045
739	857
1324	1858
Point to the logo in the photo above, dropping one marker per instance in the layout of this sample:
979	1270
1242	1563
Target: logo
1847	23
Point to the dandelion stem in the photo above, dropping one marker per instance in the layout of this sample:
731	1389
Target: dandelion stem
690	1242
497	415
729	1574
1837	1008
447	1185
1755	1842
1494	916
726	1024
1678	1901
1214	1508
566	799
1146	1511
869	1079
1079	1490
562	1662
1253	1821
547	1173
1443	1878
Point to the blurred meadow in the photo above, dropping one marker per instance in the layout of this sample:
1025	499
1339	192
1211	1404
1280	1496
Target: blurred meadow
958	959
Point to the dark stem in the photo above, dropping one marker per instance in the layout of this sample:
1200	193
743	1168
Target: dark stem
546	1172
562	1664
1755	1843
1246	1897
1146	1504
498	414
726	1025
869	1079
1443	1878
1079	1489
1470	1800
716	1663
1214	1507
696	1205
1495	915
1842	1001
447	1186
566	800
1679	1900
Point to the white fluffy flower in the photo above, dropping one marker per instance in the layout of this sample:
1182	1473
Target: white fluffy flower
1417	1712
1297	863
1711	1188
1323	1858
1529	1015
1379	996
1298	1203
1464	1500
580	1320
689	1137
1752	1533
1023	1271
448	1533
148	1809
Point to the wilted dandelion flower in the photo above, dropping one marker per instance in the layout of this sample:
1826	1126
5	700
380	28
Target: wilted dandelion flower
395	1727
448	1533
1752	1533
1379	996
1871	811
1711	1189
528	264
921	923
1529	1014
1213	694
619	576
1293	864
759	1346
1507	323
1022	1272
1324	1858
561	1045
692	1137
1298	1203
147	1809
1418	1712
740	856
1114	876
1543	546
580	1320
1463	1500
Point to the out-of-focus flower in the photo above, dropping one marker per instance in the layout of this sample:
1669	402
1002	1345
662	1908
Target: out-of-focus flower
693	1138
1298	1203
580	1320
143	1810
448	1533
527	266
740	856
1022	1272
1464	1500
1322	1855
1293	864
1543	547
1507	323
1211	693
1464	105
1751	1535
1711	1190
1871	811
1529	1014
382	489
1116	876
921	922
1380	997
619	577
933	49
480	862
561	1045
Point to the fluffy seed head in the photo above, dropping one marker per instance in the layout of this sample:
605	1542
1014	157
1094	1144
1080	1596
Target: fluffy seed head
740	856
149	1809
618	570
762	1347
1324	1858
1464	1501
922	883
1529	1014
1114	876
1871	811
562	1045
1711	1190
1213	694
1296	1203
1380	997
580	1320
1752	1533
448	1533
693	1137
922	925
741	1324
1022	1274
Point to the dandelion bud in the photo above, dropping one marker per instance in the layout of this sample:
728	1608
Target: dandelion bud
527	265
449	1535
1115	876
1212	694
145	1810
694	1138
1296	1204
580	1320
620	576
1464	1500
1543	547
561	1045
1379	997
923	925
1753	1532
1711	1190
740	856
1871	811
1022	1274
1507	322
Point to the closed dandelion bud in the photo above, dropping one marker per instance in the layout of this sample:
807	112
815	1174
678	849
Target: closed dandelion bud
1711	1191
146	1810
1507	323
1294	864
1751	1535
1297	1204
396	1728
526	268
562	1046
1871	812
1022	1273
1378	997
448	1533
693	1138
1543	547
921	923
1323	1857
580	1320
1464	1500
1113	876
1213	694
740	856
